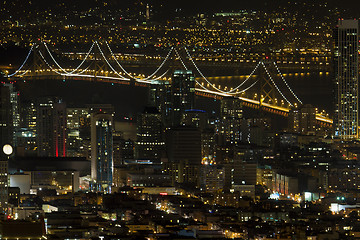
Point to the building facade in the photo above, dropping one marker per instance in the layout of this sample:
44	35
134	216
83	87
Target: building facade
76	122
150	143
346	90
3	186
182	94
51	127
102	149
230	124
6	126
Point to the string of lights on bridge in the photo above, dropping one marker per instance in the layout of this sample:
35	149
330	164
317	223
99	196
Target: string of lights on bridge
152	78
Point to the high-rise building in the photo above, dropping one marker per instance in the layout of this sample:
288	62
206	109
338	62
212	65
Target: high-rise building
6	126
59	129
3	186
76	118
160	97
212	177
346	61
28	116
102	148
184	143
242	168
303	120
182	94
127	149
230	124
184	153
199	119
14	102
257	131
26	133
44	124
150	143
195	118
51	127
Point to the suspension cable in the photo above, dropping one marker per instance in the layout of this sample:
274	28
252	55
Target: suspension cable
103	55
87	55
77	75
186	68
52	57
180	58
273	82
162	75
213	85
47	63
127	73
22	65
287	85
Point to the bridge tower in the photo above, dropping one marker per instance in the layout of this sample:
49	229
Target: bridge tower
267	89
38	63
177	64
99	68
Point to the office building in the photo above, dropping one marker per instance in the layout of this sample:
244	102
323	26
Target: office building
28	116
15	115
6	126
212	177
44	127
51	127
26	133
208	146
150	143
184	154
257	131
195	118
199	119
3	186
160	97
76	120
230	124
59	129
303	120
102	148
346	61
182	94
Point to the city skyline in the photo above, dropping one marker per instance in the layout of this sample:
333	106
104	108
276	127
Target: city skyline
179	120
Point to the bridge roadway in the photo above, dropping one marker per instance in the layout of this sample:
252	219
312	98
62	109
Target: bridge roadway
139	60
279	110
252	103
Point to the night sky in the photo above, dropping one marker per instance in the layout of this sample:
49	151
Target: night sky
183	7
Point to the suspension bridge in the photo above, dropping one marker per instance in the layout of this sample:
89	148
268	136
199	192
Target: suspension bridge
100	63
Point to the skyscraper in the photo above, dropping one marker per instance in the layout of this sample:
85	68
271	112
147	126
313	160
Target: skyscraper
195	118
184	153
102	148
59	129
76	146
3	186
150	141
6	127
51	127
230	124
199	119
14	102
160	97
346	62
182	94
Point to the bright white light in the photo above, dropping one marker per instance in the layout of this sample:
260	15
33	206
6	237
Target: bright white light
7	149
